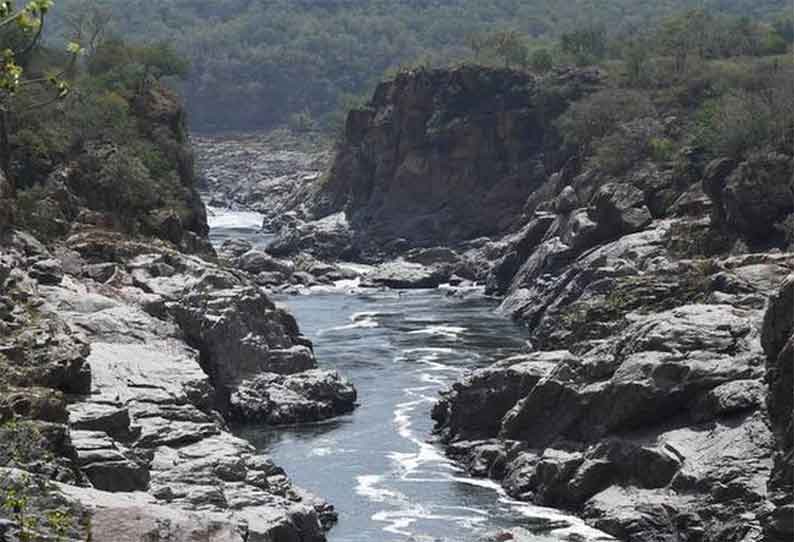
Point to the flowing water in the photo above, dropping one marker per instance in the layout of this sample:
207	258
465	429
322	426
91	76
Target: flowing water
378	466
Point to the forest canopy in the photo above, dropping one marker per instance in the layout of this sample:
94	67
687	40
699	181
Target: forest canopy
260	64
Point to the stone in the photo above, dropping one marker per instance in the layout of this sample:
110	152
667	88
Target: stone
48	272
235	248
566	201
400	274
474	407
255	262
621	207
284	399
752	196
778	342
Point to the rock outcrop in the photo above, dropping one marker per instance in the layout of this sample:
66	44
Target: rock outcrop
778	342
643	405
438	157
127	348
121	371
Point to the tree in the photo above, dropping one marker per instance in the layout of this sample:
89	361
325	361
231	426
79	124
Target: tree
595	116
636	55
20	32
509	45
541	61
88	24
587	45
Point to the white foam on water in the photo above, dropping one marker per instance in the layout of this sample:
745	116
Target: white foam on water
447	332
433	349
229	219
366	486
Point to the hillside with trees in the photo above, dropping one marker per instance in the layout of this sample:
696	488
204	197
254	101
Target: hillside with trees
261	64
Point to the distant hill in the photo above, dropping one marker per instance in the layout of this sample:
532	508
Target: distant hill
256	64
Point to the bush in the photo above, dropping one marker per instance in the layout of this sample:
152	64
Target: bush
662	149
597	115
740	121
541	61
629	144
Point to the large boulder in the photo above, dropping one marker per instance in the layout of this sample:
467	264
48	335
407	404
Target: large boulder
240	334
620	208
751	197
309	396
778	341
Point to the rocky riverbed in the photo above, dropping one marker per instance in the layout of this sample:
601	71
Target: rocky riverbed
648	398
153	353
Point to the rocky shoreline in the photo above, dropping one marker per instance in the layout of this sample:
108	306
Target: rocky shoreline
127	350
652	400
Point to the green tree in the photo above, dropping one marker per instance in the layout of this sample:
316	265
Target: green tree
511	47
541	60
586	45
20	32
636	54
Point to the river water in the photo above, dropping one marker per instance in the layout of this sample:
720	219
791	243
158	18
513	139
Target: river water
378	466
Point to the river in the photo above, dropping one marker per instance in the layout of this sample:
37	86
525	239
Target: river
379	466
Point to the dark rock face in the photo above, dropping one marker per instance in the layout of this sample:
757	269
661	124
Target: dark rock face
751	197
646	400
778	342
442	156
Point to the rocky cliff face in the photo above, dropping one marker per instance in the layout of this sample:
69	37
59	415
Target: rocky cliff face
124	357
656	368
101	184
443	156
778	342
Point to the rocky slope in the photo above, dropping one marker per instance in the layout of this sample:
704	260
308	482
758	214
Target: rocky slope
643	406
653	400
126	352
267	173
437	157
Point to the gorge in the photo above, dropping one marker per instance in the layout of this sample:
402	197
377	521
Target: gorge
539	302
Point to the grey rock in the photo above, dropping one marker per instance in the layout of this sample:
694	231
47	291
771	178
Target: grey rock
304	397
406	275
566	201
255	262
48	272
621	207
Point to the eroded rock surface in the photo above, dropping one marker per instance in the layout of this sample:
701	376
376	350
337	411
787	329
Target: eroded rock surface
125	366
656	401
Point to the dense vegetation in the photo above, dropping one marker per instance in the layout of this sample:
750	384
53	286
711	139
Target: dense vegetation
91	119
257	64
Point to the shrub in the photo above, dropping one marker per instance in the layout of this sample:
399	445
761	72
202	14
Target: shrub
662	149
541	60
597	115
740	121
626	146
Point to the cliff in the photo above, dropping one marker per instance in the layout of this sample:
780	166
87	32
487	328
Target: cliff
640	260
445	156
643	404
126	350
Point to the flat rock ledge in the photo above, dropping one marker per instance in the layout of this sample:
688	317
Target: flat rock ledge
148	353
